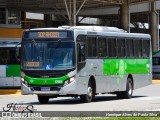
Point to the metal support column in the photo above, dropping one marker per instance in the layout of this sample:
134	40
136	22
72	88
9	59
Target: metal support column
124	16
74	12
154	26
68	12
48	20
158	31
6	16
72	15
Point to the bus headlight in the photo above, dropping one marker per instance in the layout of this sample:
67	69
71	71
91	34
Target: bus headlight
22	79
69	81
72	79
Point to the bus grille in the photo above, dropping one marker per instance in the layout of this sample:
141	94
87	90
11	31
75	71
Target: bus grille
44	74
51	88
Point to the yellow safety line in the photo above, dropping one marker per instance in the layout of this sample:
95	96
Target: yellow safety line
156	81
4	92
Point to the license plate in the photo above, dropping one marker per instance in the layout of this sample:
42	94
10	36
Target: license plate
45	88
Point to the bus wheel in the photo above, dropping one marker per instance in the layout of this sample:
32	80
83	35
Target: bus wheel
43	99
90	94
129	89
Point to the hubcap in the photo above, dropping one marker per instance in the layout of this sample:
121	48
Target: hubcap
130	89
89	92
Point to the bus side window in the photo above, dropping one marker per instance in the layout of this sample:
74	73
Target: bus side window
121	47
146	48
92	47
156	61
138	48
112	52
102	47
129	48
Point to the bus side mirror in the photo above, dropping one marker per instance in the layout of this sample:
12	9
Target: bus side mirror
17	54
82	55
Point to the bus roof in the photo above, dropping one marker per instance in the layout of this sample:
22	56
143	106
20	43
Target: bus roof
96	29
89	28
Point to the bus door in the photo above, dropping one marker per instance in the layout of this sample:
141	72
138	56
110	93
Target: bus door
13	71
4	80
9	68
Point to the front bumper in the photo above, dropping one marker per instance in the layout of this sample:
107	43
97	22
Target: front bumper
63	90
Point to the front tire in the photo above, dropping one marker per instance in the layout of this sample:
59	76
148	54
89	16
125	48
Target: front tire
43	99
90	94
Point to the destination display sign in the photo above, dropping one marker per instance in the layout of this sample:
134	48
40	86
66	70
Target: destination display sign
32	64
47	34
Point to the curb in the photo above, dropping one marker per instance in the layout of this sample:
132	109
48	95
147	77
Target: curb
10	91
156	81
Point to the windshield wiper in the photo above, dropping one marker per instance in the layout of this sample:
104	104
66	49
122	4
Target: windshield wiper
58	43
34	42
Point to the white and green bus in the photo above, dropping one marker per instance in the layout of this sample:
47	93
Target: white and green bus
156	64
9	66
84	61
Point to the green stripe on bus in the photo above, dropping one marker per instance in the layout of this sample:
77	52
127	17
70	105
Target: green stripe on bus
12	70
126	66
46	81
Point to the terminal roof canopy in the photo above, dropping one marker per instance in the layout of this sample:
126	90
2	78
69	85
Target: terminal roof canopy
59	5
55	4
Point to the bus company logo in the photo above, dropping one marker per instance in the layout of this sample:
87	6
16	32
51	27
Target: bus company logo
45	81
44	76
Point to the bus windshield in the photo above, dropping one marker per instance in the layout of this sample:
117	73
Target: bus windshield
50	55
